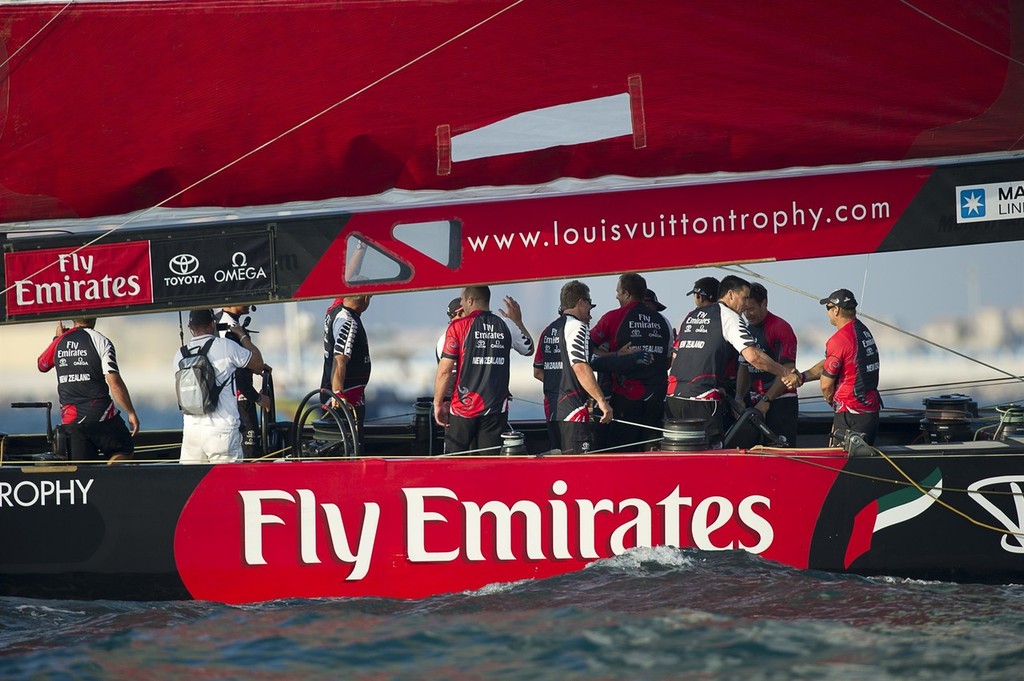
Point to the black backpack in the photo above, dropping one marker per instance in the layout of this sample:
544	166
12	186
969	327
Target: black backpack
195	381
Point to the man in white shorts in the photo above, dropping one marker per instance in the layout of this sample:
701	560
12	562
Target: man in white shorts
215	437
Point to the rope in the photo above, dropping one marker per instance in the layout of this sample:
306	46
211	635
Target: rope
36	34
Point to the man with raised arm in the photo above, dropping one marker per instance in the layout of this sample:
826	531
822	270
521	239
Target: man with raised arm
247	396
478	347
88	386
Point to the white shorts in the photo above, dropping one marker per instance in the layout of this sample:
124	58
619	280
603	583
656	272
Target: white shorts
210	443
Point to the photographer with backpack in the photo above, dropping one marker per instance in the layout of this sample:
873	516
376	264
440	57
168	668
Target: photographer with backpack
204	383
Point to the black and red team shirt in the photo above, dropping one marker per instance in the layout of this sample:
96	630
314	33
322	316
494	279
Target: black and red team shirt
83	358
481	343
575	349
646	331
851	358
549	360
775	338
708	339
344	335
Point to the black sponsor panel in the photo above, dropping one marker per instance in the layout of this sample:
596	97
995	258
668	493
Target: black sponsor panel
93	531
206	269
930	221
300	244
964	536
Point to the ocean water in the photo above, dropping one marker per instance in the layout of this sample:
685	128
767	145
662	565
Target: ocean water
649	614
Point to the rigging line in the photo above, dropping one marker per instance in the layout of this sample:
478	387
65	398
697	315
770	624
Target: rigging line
876	320
287	132
36	34
963	35
943	504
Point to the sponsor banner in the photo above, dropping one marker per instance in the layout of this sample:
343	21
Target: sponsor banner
414	528
191	267
54	280
989	202
609	232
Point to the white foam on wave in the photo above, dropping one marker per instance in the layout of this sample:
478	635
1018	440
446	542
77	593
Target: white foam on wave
666	556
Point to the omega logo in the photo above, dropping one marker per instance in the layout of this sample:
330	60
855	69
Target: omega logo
239	259
183	264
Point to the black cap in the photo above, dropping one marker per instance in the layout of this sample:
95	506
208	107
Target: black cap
841	298
454	307
653	297
201	317
705	287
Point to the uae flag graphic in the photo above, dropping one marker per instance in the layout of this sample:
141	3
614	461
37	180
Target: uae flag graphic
891	509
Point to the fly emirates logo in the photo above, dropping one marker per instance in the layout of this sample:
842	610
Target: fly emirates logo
441	528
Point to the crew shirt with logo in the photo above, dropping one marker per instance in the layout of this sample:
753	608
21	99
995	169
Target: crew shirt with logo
775	338
708	339
549	360
481	344
646	331
83	357
575	349
344	335
851	358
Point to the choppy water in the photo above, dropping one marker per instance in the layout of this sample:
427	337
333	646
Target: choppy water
650	614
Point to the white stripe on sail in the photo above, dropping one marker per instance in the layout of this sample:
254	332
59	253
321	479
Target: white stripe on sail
566	124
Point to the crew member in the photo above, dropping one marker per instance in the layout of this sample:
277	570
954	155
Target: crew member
478	348
346	356
246	395
547	368
88	386
773	335
638	393
216	437
709	337
849	372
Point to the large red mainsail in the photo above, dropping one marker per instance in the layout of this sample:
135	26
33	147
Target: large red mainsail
112	107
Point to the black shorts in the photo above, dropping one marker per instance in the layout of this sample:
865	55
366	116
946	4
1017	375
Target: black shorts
858	423
577	437
98	441
477	433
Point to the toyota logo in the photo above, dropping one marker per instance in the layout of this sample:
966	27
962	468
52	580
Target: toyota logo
184	263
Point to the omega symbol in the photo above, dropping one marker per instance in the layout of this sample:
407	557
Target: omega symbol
239	260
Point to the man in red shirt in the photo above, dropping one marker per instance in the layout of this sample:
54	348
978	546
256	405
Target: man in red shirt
756	388
477	346
638	393
849	372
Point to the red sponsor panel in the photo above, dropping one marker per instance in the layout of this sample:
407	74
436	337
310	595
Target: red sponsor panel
413	528
90	277
649	229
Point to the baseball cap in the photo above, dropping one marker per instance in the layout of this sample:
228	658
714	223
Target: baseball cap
653	297
201	317
841	298
454	307
706	287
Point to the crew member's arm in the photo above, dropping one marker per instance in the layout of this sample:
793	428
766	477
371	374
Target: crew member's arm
742	385
585	375
441	381
47	360
119	391
760	360
524	345
777	388
538	373
338	373
255	363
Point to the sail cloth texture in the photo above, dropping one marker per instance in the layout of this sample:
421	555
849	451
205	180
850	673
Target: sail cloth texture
655	88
